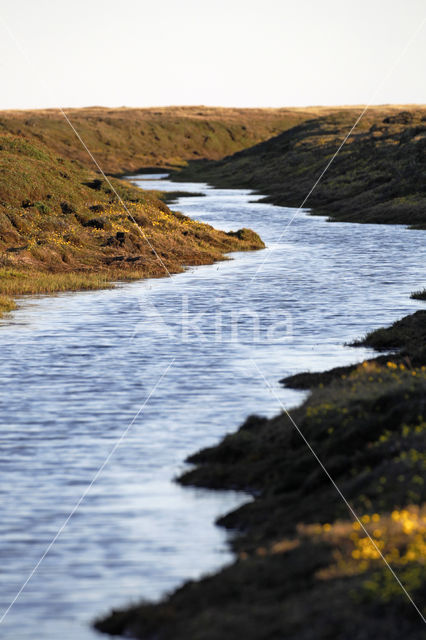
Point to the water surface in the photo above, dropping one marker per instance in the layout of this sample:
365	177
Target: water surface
76	368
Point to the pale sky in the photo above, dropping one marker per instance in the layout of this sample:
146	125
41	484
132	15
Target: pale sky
224	52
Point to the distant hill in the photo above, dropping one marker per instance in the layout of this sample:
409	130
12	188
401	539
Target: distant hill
125	140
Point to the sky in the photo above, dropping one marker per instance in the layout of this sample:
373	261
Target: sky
243	53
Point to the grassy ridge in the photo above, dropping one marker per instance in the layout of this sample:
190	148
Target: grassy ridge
304	567
62	227
125	140
378	176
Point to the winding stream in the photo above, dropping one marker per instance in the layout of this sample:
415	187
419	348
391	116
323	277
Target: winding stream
76	368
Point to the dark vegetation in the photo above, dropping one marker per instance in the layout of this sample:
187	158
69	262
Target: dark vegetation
378	176
305	567
419	295
170	196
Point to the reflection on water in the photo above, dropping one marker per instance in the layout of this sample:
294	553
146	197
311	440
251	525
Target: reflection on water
76	368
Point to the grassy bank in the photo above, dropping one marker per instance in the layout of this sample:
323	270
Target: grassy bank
305	567
125	140
377	177
18	282
64	228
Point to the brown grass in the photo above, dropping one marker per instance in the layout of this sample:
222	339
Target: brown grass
125	140
64	228
6	304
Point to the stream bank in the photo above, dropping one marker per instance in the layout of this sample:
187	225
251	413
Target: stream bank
304	565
